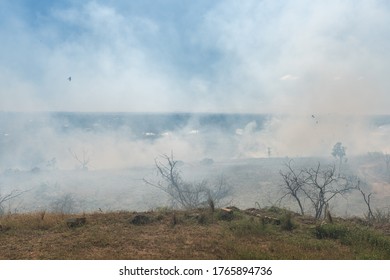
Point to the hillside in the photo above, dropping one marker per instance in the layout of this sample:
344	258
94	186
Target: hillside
270	233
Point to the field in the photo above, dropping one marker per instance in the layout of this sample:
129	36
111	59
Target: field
253	182
271	233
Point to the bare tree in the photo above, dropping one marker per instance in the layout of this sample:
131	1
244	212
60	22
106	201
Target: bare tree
317	185
293	184
378	215
322	185
366	197
65	204
219	190
7	197
83	161
184	194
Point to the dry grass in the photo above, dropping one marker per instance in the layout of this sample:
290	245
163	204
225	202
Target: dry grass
193	235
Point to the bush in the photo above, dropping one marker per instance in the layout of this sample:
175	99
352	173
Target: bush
359	238
185	194
65	204
369	237
333	231
224	215
287	222
382	216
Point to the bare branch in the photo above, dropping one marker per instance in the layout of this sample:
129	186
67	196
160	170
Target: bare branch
293	184
186	195
366	196
9	196
317	184
84	161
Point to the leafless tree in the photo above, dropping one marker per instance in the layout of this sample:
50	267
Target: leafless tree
184	194
378	215
322	185
317	185
65	204
83	161
7	197
293	184
362	187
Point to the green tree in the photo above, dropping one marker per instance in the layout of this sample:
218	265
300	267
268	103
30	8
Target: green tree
339	152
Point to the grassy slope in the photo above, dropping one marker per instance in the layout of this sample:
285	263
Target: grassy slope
189	235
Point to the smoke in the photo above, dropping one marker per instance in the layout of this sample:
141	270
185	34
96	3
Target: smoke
101	142
317	69
295	57
302	57
69	141
315	135
298	59
100	160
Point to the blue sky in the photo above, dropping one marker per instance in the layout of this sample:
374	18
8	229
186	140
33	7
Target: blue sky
197	56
